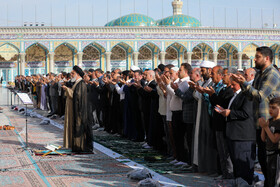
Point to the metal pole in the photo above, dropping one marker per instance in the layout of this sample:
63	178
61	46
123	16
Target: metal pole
26	134
7	96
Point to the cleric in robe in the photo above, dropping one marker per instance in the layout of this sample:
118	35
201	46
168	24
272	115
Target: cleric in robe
82	133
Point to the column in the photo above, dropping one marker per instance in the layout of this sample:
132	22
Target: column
135	58
189	57
22	63
80	59
108	61
215	57
51	59
162	57
239	55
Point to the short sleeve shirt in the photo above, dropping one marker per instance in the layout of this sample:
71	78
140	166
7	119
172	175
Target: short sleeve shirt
274	127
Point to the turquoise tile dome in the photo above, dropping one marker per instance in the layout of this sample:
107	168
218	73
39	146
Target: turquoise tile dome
179	20
132	20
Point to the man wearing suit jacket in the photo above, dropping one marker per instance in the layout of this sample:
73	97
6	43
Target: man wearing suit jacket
220	95
241	133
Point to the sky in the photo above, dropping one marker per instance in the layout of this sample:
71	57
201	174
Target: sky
211	13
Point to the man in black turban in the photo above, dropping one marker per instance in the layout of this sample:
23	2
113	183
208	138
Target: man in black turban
82	133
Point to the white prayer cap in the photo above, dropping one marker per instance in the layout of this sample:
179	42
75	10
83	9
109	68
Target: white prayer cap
134	68
176	69
207	64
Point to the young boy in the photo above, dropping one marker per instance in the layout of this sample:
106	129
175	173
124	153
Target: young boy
271	135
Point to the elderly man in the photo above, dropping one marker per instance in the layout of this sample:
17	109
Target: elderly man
205	132
82	133
250	75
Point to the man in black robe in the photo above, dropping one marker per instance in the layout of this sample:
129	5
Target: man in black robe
82	133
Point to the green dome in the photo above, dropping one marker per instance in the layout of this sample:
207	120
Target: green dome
132	20
179	20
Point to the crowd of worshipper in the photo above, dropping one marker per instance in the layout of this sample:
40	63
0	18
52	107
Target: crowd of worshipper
209	119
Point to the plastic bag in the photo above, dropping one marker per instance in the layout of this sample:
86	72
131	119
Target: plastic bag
139	174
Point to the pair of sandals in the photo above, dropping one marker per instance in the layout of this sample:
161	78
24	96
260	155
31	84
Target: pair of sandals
7	127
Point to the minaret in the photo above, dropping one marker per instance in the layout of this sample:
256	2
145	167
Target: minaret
177	7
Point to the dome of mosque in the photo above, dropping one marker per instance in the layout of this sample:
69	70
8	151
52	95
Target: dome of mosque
133	20
179	20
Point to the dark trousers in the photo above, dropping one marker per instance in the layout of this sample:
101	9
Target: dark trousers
271	170
225	161
243	155
90	114
189	138
53	104
261	154
179	130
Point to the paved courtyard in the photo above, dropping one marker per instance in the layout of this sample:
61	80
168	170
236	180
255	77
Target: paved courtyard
113	157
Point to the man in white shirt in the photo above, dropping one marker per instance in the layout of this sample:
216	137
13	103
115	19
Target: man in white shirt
179	127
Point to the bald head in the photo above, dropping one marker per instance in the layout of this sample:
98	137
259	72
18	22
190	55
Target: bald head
250	74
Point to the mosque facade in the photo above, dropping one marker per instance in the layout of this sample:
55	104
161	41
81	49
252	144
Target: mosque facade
134	39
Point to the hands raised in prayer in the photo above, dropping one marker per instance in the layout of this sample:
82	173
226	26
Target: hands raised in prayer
158	78
263	123
137	84
238	78
64	87
174	86
148	89
122	81
192	84
210	91
199	88
221	110
166	80
96	83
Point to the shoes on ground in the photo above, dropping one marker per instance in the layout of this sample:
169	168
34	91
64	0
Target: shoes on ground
147	147
173	162
145	144
95	127
181	163
219	177
100	129
214	175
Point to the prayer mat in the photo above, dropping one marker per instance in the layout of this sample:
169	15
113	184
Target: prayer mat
61	151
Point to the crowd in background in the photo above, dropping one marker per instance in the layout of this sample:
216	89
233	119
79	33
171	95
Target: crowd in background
208	119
